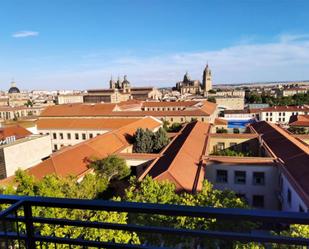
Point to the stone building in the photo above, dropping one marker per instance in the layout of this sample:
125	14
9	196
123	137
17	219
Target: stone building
120	91
194	86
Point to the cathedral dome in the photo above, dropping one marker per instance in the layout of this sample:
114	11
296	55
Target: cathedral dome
13	88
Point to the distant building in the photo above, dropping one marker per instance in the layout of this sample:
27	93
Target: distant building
180	112
69	99
292	91
15	97
230	102
71	131
120	91
188	86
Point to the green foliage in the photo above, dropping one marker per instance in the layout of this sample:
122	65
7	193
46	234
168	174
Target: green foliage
160	140
151	191
231	152
88	188
211	99
146	141
298	130
111	167
29	103
212	91
236	131
297	99
301	231
221	130
175	127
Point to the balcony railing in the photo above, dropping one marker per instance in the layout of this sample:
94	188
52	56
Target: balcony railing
19	224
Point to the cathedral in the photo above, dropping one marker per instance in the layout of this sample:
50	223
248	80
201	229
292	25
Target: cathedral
195	86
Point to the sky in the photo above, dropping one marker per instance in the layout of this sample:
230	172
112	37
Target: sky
80	44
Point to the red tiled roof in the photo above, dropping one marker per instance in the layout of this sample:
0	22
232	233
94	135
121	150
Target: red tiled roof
88	110
15	130
78	110
281	109
83	123
181	162
73	160
220	121
299	120
293	153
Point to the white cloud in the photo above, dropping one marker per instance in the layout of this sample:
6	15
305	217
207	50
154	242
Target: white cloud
287	58
22	34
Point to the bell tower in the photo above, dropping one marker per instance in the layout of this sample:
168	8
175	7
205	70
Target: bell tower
207	82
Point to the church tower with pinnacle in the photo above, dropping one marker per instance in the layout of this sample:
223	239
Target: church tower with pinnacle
207	83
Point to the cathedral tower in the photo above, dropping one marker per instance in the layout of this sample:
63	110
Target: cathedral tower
207	84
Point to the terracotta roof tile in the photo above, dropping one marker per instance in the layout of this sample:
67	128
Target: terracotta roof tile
73	160
293	153
83	123
299	120
220	121
15	130
181	160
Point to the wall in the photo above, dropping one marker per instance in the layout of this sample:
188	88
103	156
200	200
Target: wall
296	201
231	103
268	190
252	144
58	142
26	152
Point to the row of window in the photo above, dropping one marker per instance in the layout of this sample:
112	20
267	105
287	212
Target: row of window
240	177
69	136
165	108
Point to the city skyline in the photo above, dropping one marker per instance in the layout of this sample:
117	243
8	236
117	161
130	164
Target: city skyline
76	45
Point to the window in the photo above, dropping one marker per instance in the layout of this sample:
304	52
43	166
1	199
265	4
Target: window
76	136
289	196
69	136
98	134
279	119
221	146
258	201
221	176
271	114
54	136
171	119
283	114
181	119
266	119
266	113
84	136
61	135
90	135
258	178
55	147
240	177
271	119
301	209
279	113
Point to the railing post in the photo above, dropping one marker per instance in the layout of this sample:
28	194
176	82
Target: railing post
30	241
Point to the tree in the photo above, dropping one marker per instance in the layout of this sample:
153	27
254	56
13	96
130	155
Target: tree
236	131
175	127
211	99
231	152
221	130
111	167
160	140
146	141
152	191
143	142
54	186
